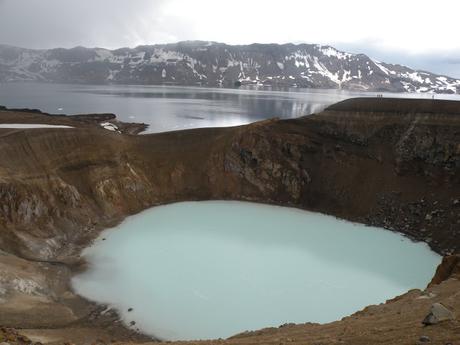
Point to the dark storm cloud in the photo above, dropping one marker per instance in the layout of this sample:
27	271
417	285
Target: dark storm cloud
52	23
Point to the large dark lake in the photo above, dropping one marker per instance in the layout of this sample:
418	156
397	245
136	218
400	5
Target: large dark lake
167	108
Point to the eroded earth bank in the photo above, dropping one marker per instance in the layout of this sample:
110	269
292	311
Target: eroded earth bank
391	163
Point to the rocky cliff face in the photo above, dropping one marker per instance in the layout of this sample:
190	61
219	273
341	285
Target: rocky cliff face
448	269
399	171
391	163
217	64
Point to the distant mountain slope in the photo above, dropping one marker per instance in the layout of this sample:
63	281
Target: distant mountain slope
218	64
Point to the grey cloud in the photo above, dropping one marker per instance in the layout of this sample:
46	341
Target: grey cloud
435	62
52	23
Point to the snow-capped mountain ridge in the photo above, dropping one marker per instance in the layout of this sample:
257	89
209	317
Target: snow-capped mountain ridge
218	64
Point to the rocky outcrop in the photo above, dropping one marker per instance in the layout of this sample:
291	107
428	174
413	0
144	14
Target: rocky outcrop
272	164
438	313
449	268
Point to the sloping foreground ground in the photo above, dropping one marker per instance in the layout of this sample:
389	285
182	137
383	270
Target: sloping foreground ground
385	162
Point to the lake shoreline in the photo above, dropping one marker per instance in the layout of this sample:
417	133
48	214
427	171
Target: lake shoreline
168	108
271	240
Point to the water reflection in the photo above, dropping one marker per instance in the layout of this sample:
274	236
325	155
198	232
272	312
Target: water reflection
167	108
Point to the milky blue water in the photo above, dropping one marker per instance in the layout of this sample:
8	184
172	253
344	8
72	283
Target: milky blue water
197	270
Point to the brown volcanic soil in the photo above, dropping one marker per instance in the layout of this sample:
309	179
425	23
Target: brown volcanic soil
392	163
34	116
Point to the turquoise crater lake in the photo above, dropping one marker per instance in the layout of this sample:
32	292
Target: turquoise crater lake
198	270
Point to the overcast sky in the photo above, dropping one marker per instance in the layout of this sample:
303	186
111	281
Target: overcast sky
422	34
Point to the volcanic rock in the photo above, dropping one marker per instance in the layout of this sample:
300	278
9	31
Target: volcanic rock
438	314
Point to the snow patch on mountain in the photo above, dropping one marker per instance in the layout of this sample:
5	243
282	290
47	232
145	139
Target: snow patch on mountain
216	64
329	51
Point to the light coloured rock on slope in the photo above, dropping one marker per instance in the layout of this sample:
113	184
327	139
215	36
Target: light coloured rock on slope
438	313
